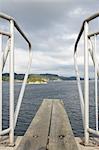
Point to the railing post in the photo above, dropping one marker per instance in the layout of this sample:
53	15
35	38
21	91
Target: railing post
1	61
12	84
96	84
86	84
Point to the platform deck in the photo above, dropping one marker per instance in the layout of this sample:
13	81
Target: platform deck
50	129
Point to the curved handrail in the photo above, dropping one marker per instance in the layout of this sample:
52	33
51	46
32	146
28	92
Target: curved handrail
82	29
21	94
75	60
4	16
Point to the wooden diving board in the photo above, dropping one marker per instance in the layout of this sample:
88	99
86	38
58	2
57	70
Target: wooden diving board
50	129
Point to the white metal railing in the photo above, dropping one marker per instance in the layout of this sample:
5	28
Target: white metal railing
9	50
89	48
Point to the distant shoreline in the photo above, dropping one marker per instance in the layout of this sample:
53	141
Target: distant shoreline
37	83
40	78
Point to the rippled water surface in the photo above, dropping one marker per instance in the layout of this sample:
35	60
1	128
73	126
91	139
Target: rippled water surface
34	94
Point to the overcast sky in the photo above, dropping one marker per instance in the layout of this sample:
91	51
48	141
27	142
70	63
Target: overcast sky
52	27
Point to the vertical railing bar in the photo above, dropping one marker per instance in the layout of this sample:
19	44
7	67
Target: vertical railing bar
96	86
1	61
10	49
22	90
6	52
12	84
86	84
79	88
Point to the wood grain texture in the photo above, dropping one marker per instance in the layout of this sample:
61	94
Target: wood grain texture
61	136
36	136
50	129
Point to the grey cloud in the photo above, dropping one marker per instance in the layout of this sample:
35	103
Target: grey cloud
35	15
48	26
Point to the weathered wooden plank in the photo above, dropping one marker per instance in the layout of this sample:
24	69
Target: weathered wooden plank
36	136
61	135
